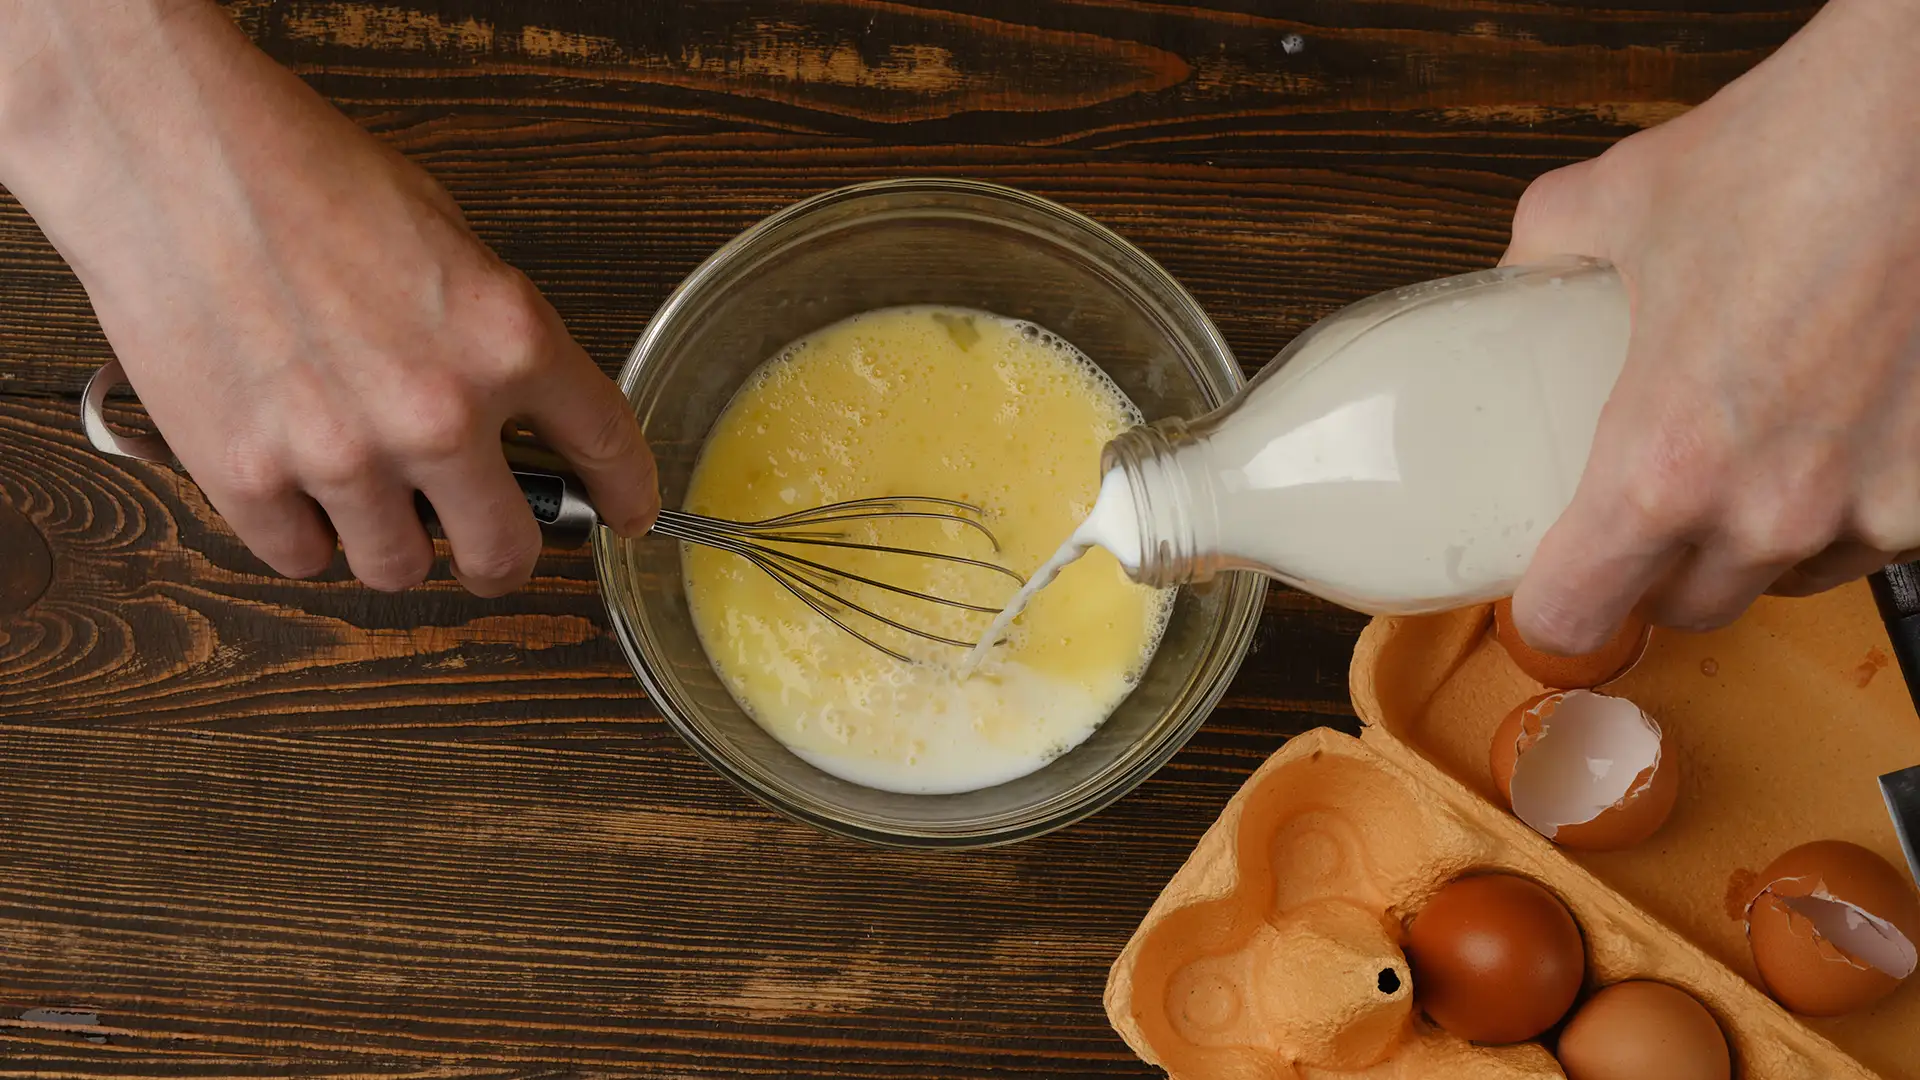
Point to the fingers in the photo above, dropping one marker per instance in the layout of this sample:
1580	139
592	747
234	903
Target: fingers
370	507
386	545
1611	544
285	529
1589	574
495	540
438	432
1839	564
1734	535
582	415
1745	524
1561	213
1709	588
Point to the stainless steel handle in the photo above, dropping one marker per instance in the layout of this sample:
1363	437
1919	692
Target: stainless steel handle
557	497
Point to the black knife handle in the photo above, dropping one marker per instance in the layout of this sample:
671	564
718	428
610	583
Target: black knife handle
1896	591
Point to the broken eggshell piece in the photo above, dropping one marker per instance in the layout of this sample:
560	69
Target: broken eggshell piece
1585	770
1583	672
1833	928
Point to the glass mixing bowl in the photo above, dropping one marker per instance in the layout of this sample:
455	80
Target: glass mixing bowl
920	241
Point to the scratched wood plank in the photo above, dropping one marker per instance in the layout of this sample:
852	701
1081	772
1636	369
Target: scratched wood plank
217	895
255	828
1102	73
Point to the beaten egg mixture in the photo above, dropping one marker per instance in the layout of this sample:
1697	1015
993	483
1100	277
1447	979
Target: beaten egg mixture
929	401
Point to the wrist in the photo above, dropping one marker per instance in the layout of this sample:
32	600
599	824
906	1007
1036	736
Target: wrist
79	76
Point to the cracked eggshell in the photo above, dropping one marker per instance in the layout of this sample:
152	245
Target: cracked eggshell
1833	928
1779	723
1585	770
1335	840
1584	672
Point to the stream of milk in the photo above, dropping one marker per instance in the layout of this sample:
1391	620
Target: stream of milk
1111	524
940	402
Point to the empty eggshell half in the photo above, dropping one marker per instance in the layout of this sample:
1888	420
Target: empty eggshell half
1833	928
1585	770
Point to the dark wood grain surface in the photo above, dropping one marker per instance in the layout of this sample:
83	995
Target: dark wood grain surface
251	827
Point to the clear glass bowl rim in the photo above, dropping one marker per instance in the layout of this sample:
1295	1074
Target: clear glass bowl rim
1208	682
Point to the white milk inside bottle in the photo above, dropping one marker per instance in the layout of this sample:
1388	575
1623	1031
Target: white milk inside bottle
1403	456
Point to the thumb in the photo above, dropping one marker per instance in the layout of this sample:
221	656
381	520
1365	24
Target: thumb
1562	213
1629	522
1588	576
584	417
1596	562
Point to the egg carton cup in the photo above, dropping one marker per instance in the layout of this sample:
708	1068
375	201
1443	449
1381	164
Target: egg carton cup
1275	952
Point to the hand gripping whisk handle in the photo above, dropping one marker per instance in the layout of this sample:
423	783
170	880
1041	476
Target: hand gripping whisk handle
557	497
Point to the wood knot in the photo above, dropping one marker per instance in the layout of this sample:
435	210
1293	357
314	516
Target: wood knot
26	563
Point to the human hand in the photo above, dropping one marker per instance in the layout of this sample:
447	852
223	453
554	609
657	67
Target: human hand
305	314
1765	432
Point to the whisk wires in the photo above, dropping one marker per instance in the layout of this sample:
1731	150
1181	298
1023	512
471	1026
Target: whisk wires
821	586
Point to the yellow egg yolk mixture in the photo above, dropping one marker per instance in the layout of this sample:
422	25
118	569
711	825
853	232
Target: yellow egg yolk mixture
924	401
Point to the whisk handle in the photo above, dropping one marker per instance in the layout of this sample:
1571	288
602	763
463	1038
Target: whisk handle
557	497
558	503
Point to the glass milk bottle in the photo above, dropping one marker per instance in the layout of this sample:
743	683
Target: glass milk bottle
1403	456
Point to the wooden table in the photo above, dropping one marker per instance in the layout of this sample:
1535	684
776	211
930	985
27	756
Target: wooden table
250	827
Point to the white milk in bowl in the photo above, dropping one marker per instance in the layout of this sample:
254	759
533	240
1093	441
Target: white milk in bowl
947	403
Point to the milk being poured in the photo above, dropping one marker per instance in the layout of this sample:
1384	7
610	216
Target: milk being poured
1404	456
932	401
1109	525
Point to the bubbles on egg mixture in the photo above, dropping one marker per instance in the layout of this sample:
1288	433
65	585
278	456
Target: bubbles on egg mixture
948	403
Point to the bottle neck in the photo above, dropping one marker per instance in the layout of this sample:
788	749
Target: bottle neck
1172	498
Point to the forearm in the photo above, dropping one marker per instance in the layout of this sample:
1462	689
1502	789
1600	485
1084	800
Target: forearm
146	126
61	58
100	95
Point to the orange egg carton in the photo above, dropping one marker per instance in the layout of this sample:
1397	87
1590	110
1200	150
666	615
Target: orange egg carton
1275	952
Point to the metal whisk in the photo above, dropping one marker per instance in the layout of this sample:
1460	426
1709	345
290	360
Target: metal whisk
819	585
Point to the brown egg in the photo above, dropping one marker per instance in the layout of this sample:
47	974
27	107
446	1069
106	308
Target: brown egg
1495	959
1833	928
1585	770
1638	1030
1605	664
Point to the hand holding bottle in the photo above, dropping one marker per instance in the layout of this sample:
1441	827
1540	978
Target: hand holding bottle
1765	432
